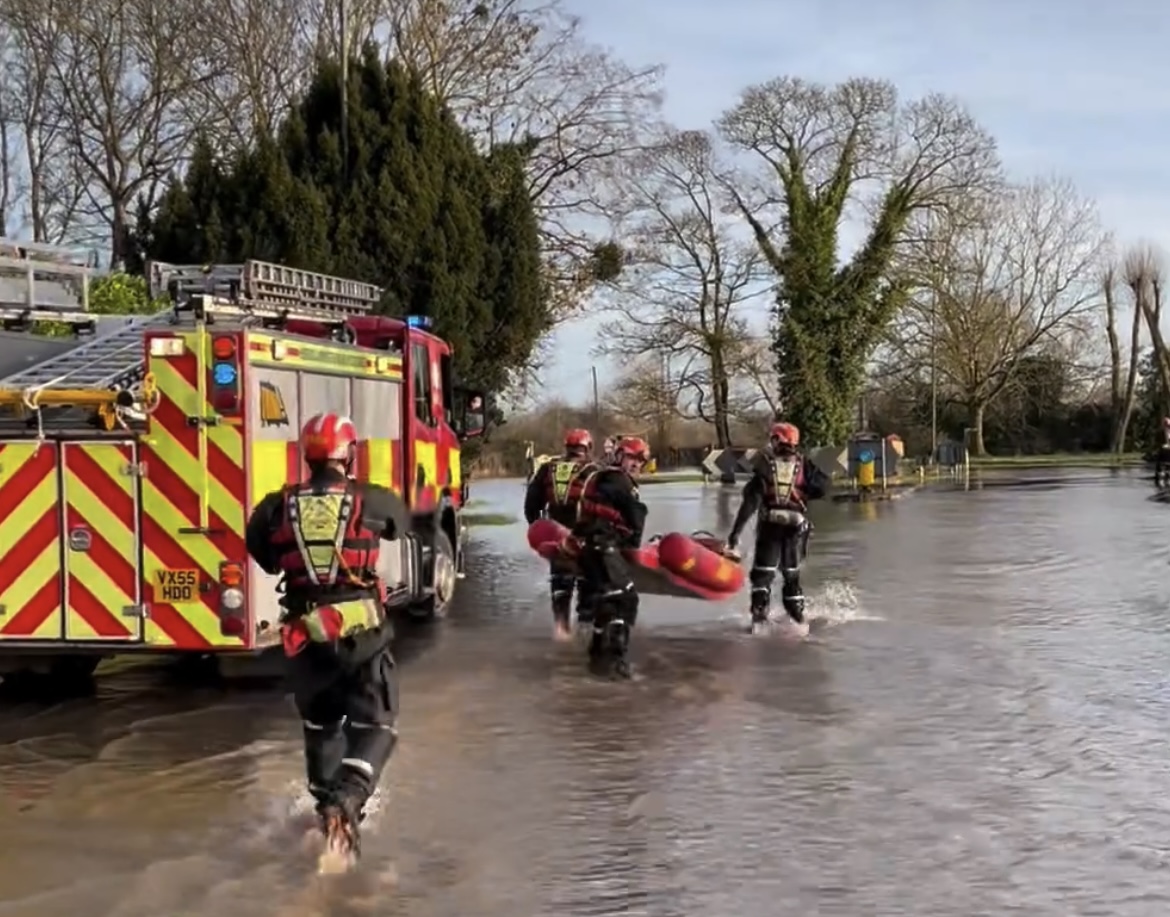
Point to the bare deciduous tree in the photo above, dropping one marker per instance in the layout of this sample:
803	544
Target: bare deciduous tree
270	45
1009	283
523	73
1142	272
125	77
645	396
1122	380
53	185
755	382
681	298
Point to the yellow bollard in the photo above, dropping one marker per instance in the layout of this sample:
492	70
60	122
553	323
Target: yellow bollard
866	474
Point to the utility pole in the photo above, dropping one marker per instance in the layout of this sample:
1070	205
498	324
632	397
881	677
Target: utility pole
933	377
596	402
343	17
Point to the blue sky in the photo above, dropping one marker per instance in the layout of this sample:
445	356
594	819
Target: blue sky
1080	89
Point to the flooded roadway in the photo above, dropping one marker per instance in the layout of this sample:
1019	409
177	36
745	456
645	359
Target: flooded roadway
977	726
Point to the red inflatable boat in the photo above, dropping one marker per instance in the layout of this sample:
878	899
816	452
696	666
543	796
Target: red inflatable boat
685	566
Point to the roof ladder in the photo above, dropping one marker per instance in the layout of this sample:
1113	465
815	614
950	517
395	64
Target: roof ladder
44	282
113	360
261	290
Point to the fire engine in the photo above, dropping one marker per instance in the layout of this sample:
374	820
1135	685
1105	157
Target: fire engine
131	457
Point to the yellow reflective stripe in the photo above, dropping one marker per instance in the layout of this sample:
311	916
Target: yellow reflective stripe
46	567
186	465
426	455
381	453
269	468
361	614
39	501
455	467
81	496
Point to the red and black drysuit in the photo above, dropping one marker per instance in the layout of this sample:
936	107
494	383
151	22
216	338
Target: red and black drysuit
334	626
612	518
556	489
778	495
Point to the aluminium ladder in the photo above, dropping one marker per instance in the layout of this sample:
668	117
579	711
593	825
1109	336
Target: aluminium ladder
249	292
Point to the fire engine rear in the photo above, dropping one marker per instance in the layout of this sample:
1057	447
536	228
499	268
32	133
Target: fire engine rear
132	454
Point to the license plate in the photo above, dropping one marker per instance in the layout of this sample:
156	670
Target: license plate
176	587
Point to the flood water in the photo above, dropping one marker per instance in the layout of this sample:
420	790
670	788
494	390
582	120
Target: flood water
977	725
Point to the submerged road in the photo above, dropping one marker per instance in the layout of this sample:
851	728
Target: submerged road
978	725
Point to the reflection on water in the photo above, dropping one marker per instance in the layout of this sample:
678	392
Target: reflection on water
977	725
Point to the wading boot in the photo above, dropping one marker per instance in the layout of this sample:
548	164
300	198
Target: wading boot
562	620
339	824
761	599
793	601
619	647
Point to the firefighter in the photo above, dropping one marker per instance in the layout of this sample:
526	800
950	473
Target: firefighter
612	518
782	483
1162	459
323	537
556	489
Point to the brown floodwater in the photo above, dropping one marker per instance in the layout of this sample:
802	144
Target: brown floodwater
976	725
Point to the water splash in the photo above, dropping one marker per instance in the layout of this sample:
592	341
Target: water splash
837	602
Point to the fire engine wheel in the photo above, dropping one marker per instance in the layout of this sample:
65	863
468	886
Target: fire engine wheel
435	606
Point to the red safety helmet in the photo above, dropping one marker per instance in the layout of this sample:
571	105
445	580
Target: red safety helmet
578	439
633	447
785	434
328	438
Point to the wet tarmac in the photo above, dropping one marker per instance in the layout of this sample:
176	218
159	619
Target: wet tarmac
977	725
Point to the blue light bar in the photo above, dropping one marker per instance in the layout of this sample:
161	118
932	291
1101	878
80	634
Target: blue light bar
224	374
419	321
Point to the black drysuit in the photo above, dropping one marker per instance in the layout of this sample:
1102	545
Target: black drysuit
612	518
777	495
552	490
346	691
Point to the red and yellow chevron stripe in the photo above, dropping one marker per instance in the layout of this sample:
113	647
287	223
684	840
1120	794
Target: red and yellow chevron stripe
193	496
102	584
30	542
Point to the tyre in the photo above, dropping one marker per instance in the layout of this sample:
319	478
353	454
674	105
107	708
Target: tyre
436	605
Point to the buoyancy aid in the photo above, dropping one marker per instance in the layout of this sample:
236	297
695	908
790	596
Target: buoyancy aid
595	508
323	541
565	481
784	483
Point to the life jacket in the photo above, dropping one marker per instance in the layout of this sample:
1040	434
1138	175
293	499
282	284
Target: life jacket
784	484
323	541
595	508
564	482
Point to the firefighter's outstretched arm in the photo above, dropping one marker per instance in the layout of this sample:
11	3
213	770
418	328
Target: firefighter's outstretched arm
261	526
753	496
536	497
385	512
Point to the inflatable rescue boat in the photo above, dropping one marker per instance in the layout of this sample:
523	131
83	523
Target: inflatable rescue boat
684	566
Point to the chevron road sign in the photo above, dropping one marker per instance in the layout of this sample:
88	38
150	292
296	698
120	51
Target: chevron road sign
720	463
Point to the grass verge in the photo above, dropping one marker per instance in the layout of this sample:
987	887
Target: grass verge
488	519
1058	460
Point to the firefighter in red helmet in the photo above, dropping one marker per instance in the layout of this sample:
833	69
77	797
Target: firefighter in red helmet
782	483
556	489
323	538
612	517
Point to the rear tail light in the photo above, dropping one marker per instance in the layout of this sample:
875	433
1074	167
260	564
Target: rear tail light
233	613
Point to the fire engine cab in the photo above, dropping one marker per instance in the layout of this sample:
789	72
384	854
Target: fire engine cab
132	452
